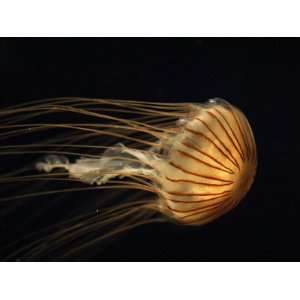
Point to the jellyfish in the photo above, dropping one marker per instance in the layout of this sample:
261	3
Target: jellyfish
195	162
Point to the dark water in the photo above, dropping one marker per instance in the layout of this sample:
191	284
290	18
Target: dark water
260	76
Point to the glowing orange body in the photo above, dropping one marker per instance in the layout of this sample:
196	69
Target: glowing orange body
211	165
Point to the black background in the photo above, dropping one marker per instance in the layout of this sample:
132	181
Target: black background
260	76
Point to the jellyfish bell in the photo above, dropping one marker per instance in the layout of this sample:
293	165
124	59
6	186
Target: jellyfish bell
197	160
